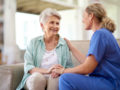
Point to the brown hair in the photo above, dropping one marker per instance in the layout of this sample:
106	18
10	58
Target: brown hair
100	13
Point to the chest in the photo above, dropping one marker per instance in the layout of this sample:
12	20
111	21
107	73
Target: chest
49	58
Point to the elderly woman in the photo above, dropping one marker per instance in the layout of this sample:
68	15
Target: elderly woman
102	62
44	53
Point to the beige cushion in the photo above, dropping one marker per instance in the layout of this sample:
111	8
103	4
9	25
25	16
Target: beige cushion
81	46
10	76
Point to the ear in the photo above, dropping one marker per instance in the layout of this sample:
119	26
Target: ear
42	26
91	16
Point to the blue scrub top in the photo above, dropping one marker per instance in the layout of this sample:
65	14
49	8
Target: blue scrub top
106	50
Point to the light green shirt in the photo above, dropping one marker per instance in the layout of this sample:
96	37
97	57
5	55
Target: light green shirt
34	54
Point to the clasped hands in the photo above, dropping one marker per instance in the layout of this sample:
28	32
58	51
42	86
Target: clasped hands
55	70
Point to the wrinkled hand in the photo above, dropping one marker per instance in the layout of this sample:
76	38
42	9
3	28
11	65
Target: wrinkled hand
58	70
54	75
49	71
58	66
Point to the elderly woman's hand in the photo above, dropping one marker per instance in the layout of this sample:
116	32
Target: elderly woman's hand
58	66
54	75
49	71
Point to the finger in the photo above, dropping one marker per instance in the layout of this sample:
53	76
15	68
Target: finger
65	39
57	71
56	75
54	71
59	66
52	75
51	68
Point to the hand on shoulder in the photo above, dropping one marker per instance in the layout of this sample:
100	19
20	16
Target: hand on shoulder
68	43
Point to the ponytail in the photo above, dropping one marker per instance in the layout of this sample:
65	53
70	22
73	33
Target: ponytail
108	24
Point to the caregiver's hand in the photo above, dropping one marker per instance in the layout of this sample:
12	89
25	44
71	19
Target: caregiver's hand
68	43
59	70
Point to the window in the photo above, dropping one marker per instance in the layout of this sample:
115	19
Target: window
28	27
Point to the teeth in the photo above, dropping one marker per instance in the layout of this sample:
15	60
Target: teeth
53	30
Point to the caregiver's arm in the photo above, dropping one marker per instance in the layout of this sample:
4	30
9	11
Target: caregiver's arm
85	68
76	53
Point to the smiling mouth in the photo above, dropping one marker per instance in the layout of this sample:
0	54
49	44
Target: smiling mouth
54	30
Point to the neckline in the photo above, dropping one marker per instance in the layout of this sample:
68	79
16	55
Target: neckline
50	50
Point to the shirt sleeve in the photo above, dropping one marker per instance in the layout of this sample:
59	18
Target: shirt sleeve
28	57
97	46
69	62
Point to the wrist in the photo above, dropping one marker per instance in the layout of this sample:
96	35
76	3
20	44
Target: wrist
45	71
33	70
62	71
42	71
71	47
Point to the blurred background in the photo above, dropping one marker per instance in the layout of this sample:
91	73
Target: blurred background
19	23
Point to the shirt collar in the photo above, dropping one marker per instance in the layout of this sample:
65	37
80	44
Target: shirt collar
41	38
60	42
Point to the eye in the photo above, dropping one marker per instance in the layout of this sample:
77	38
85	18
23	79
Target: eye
57	23
52	22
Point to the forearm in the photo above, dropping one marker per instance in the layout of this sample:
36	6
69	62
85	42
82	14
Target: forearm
40	70
78	69
87	67
77	54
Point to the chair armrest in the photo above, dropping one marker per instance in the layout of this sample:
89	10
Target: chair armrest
10	76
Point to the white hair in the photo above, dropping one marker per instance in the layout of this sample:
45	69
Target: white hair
47	13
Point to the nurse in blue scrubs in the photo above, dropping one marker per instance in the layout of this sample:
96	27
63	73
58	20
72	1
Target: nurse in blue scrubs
102	63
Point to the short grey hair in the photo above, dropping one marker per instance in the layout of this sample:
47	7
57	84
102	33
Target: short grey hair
47	13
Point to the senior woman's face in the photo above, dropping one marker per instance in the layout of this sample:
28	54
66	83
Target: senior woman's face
52	25
86	21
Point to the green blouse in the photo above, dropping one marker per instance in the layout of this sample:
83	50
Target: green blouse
34	54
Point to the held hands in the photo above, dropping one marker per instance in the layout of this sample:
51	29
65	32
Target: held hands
55	71
49	71
59	70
